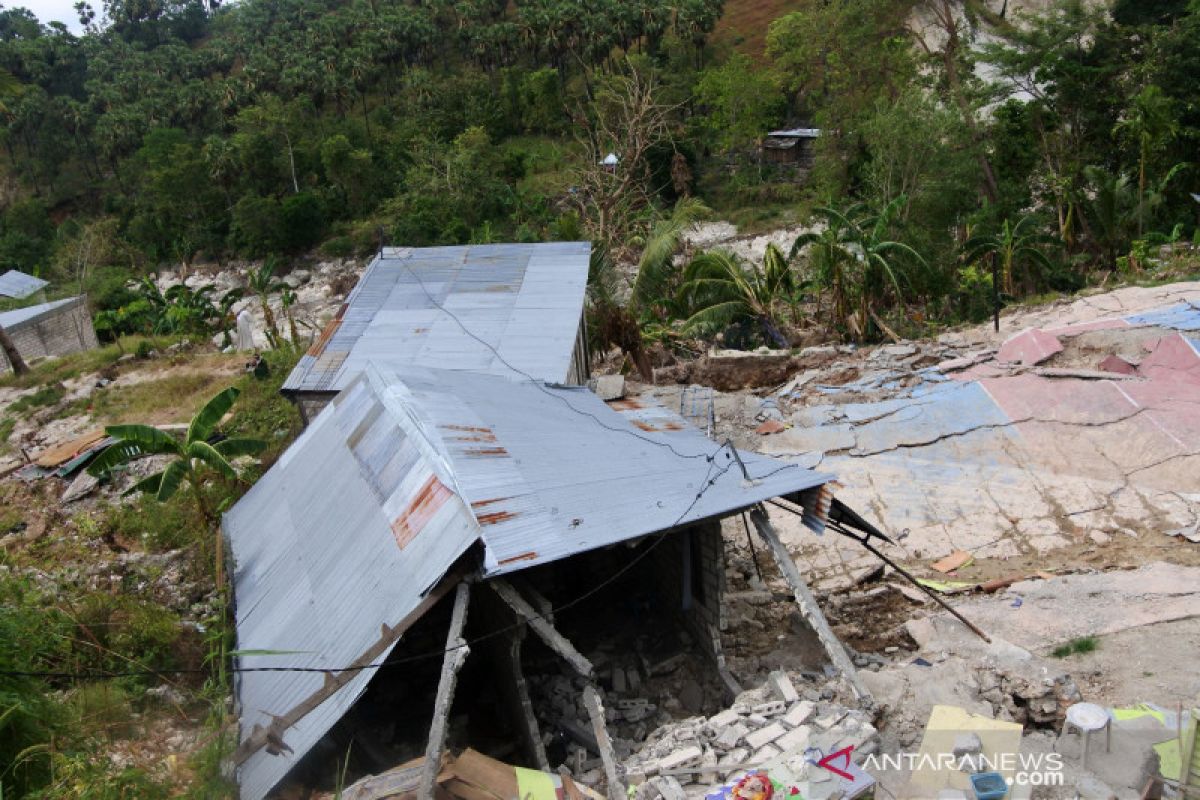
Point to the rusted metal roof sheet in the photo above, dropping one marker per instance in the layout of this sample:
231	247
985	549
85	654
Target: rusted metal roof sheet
524	300
17	284
408	468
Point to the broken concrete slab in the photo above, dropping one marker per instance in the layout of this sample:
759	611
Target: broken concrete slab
1070	606
1029	347
608	387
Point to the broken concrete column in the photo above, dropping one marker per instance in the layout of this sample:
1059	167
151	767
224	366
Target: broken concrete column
808	604
456	654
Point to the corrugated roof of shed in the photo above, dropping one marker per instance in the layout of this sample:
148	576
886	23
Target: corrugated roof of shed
525	300
17	284
403	472
20	316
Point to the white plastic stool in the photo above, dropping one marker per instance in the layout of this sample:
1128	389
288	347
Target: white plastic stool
1087	718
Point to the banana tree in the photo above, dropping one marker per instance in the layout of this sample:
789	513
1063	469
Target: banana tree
262	282
1011	247
195	458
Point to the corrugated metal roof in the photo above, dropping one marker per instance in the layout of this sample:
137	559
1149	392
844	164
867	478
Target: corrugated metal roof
525	300
403	472
15	283
20	316
797	133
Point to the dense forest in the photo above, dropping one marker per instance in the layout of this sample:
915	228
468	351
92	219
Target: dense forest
957	137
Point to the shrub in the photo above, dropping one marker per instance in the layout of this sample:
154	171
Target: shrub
302	220
256	227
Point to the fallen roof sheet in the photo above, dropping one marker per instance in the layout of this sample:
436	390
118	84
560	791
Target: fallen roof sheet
403	472
1000	460
17	284
20	316
524	300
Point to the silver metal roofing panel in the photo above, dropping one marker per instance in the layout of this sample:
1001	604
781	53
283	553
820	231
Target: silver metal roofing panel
524	300
341	534
348	531
15	283
20	316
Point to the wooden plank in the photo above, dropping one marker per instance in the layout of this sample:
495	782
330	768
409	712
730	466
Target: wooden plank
61	453
808	604
452	661
591	700
542	627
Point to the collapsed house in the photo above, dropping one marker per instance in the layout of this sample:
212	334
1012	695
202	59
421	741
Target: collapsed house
506	309
56	328
418	489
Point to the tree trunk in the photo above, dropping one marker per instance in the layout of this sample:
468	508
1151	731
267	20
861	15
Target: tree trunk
19	367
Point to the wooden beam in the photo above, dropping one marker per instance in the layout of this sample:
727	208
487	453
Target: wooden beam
591	700
808	604
456	654
542	627
524	705
389	635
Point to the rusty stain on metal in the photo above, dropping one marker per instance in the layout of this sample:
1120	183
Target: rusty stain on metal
327	333
649	428
485	503
495	517
420	330
626	404
432	496
485	452
522	557
468	428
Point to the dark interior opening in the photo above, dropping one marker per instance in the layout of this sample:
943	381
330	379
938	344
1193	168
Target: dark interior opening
641	612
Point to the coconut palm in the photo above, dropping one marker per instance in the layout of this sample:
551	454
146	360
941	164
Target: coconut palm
195	457
656	268
1011	247
720	289
1150	122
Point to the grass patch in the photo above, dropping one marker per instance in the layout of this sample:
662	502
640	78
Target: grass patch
1084	644
172	398
261	412
46	396
57	370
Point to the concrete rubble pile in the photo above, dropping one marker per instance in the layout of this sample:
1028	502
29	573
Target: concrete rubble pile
775	721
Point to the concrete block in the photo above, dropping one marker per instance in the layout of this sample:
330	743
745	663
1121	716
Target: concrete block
724	719
794	740
737	756
800	713
756	720
781	684
728	738
765	736
608	387
764	755
683	757
771	709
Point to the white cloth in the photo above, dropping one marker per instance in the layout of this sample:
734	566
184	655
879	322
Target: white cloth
245	330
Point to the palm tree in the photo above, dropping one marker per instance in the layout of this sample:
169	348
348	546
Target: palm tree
1150	122
656	267
720	290
1010	247
262	282
194	457
856	260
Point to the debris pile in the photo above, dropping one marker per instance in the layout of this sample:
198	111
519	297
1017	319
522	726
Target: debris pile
772	723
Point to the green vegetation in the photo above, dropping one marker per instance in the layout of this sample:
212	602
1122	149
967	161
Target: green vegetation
1084	644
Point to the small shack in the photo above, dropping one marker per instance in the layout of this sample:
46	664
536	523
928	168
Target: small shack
790	146
50	329
504	309
420	489
18	285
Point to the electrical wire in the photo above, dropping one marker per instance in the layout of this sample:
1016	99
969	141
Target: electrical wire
708	482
